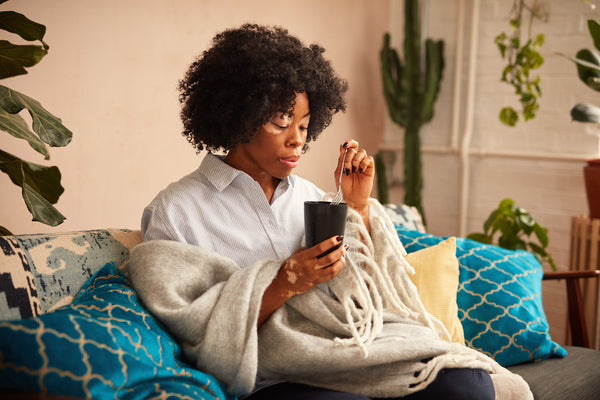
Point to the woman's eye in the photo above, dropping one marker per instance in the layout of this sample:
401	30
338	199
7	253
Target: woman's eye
281	121
279	126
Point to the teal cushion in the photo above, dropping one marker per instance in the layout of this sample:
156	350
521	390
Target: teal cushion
104	345
499	299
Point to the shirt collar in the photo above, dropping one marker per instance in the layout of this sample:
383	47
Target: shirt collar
220	174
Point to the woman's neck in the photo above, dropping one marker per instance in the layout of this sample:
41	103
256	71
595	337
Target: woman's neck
267	182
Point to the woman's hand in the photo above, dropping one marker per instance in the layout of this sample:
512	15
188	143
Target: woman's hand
307	268
359	172
300	272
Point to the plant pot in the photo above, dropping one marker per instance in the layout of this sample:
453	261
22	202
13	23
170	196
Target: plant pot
591	175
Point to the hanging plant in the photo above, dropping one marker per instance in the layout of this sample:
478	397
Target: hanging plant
520	49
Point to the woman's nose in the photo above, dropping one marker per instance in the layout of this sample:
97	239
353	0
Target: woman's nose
297	137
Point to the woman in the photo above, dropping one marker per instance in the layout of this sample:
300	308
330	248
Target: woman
260	95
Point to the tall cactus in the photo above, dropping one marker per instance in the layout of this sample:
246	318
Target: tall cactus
410	93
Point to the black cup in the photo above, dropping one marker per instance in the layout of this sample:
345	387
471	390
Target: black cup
323	220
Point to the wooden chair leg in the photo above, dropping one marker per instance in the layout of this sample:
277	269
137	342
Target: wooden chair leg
577	323
576	315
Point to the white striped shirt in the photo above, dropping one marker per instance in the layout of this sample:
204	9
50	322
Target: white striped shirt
220	208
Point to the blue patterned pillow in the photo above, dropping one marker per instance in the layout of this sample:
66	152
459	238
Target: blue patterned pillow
499	299
104	345
42	272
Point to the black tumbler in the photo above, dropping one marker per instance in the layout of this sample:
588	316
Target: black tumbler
323	220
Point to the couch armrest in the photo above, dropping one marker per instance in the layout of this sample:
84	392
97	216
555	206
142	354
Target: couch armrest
577	322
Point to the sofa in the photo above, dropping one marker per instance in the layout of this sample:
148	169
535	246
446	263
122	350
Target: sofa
71	324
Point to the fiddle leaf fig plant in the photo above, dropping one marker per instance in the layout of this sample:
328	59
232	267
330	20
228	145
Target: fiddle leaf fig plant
40	185
588	71
515	227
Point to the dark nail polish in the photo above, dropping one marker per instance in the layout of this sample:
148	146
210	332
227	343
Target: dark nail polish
345	145
346	247
347	171
353	169
340	238
360	170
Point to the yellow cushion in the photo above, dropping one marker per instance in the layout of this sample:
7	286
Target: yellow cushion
436	278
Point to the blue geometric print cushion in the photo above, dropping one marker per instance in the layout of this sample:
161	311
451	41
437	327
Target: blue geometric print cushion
499	299
104	345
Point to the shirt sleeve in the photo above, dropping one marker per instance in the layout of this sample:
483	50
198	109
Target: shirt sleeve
157	226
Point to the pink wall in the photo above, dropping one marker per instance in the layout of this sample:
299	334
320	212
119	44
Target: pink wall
111	75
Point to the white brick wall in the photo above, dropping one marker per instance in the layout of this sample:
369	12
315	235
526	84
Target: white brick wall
552	190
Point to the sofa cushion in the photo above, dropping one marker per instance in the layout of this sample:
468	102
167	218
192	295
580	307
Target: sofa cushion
577	376
103	345
436	279
406	216
499	299
40	272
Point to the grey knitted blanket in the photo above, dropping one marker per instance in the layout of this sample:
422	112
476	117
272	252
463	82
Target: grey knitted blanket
373	338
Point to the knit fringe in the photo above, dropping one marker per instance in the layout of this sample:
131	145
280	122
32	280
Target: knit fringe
376	278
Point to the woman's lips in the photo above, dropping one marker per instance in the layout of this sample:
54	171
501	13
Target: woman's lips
290	162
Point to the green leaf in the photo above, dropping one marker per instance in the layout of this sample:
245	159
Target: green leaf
539	40
594	29
509	116
526	98
551	262
489	222
15	125
586	58
507	70
593	82
40	187
508	242
480	237
587	64
4	231
526	223
14	58
502	48
21	25
506	204
535	248
542	234
48	127
585	113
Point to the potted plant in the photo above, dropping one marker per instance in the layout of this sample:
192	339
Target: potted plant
410	91
515	227
588	70
40	185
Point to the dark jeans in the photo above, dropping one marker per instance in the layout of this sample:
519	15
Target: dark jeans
450	384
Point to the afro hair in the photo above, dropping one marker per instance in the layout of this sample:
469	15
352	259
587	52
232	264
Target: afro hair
250	74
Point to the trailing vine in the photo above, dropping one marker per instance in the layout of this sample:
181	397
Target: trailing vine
520	49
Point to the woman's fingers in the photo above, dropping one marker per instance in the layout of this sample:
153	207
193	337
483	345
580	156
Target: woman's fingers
356	160
307	268
337	255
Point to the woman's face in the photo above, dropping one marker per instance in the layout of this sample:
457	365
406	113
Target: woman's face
277	147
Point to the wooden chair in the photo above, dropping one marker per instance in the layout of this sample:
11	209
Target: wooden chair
577	320
583	300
